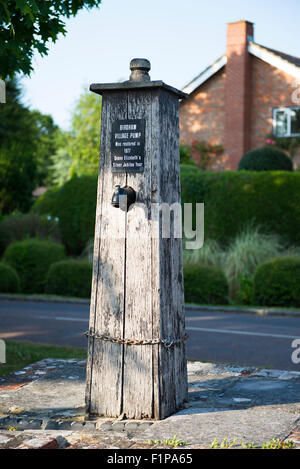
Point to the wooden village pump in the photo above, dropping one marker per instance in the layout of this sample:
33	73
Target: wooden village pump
136	353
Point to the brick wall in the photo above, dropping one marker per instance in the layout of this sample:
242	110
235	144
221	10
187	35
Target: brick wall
202	115
271	88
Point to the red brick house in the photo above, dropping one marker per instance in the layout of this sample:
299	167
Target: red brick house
248	93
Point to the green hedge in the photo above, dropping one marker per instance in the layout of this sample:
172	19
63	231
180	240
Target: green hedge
74	204
205	285
277	282
9	279
233	199
70	278
31	259
19	226
266	159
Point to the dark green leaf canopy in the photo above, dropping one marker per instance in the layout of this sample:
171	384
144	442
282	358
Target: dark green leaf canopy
27	26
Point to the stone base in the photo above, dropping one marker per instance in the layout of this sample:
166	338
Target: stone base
42	406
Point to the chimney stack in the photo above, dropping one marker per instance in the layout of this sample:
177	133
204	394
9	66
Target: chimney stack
238	92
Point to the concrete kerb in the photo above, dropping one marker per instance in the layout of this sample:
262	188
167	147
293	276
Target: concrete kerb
258	311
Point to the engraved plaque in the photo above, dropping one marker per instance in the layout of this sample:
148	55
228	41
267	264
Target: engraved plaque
128	146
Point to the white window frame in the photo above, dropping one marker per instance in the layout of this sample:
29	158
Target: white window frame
280	109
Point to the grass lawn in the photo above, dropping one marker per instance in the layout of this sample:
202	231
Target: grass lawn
20	354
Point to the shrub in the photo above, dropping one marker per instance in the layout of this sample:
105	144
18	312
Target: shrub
240	259
277	282
9	279
233	199
205	285
205	154
30	225
245	293
210	254
74	204
185	155
32	258
70	278
266	159
290	144
249	249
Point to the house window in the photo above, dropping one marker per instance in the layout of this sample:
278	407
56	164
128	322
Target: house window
286	122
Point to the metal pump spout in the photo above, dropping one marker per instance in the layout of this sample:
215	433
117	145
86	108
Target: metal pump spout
123	197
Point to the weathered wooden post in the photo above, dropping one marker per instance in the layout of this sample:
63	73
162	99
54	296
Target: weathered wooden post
136	353
2	91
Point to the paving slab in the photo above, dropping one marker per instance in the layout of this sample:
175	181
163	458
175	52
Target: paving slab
42	407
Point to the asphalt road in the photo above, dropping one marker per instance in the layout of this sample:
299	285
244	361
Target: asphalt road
243	339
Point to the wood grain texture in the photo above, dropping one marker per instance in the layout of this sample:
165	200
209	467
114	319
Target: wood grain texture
137	401
107	304
173	361
137	290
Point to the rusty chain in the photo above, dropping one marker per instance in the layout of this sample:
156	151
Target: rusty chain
168	343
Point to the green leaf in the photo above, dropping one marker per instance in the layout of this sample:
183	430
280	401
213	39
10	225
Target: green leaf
30	24
21	5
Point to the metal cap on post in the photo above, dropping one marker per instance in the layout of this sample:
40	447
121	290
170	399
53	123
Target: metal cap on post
139	79
139	70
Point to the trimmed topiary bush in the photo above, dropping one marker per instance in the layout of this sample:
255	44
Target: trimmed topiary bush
277	282
266	159
205	285
74	204
70	278
9	279
32	258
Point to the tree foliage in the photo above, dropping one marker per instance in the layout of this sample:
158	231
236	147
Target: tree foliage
78	149
27	141
61	160
18	167
17	178
86	131
27	26
46	137
16	123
